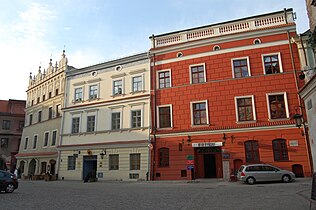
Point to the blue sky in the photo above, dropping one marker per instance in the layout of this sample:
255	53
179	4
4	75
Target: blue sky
94	31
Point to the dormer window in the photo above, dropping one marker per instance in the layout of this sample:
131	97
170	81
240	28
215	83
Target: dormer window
257	41
179	54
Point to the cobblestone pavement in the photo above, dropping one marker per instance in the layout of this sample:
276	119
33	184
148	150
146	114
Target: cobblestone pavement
201	194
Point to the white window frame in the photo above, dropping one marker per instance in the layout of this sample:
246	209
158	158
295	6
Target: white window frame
82	91
141	118
47	139
56	137
190	72
248	66
117	111
157	76
253	108
171	118
207	114
98	91
132	84
268	54
285	103
79	127
95	122
123	86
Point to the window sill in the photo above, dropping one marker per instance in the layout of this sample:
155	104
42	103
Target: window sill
118	95
279	119
246	122
167	128
137	92
93	99
198	126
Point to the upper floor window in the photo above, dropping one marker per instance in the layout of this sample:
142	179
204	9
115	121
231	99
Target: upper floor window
4	143
34	142
78	94
54	138
75	125
38	99
116	120
164	79
44	97
49	94
277	106
163	157
118	87
252	151
90	123
199	113
50	113
197	73
272	63
136	119
241	67
93	91
245	108
56	92
46	138
137	83
31	119
26	143
6	124
58	110
21	125
39	116
164	116
280	151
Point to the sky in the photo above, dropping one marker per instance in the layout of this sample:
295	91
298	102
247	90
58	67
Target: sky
94	31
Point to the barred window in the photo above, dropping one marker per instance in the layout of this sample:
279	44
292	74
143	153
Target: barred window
163	157
134	161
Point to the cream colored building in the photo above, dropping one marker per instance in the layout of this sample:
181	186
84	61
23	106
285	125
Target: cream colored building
105	127
45	95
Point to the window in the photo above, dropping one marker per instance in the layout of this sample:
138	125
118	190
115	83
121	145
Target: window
199	113
58	110
26	143
163	157
54	137
116	120
39	116
46	136
43	167
90	123
272	63
252	151
44	97
38	99
245	108
134	161
71	163
164	117
114	162
78	94
164	79
93	91
137	83
49	94
257	41
56	92
117	87
216	48
280	150
31	119
6	124
241	67
277	106
136	119
197	73
34	142
21	125
50	113
75	125
4	143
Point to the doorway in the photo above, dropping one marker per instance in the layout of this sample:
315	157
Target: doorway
209	166
89	166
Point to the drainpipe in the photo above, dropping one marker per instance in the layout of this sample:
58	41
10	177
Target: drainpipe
299	98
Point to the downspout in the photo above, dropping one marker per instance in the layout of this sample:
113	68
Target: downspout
298	96
154	105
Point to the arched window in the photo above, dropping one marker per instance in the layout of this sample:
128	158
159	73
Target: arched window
252	151
280	150
163	157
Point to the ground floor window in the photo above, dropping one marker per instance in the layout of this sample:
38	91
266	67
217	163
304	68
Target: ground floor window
114	162
71	163
134	161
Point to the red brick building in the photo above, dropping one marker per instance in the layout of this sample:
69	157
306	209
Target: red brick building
11	126
224	95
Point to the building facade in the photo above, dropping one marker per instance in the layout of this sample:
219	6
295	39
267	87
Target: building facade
224	95
45	96
12	122
105	127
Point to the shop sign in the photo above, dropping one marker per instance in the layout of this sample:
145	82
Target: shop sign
207	144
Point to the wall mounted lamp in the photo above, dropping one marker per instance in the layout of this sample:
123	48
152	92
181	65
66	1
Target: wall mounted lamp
188	141
103	153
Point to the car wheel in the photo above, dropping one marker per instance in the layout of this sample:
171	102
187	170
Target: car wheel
251	180
286	178
9	188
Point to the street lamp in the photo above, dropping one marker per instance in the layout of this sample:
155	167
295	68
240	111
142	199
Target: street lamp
298	120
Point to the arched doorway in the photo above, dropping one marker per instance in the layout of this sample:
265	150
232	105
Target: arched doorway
32	167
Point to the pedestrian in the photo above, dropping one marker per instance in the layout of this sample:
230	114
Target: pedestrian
16	172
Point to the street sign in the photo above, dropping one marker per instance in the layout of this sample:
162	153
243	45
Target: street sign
190	167
190	162
190	157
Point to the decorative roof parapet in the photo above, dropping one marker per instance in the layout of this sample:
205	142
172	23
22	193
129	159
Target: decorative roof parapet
236	26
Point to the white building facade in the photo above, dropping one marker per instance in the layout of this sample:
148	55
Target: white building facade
45	95
106	118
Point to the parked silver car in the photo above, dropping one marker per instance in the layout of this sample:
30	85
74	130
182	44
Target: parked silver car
263	172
